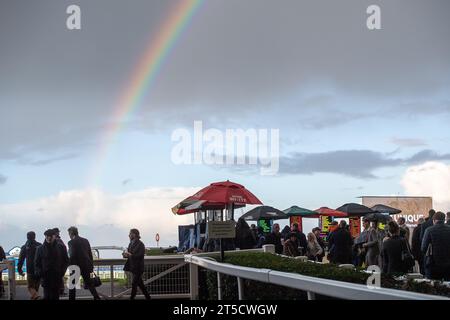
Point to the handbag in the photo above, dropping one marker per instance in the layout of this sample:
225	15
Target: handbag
95	280
407	257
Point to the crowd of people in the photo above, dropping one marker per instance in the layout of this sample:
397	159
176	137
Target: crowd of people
47	263
393	249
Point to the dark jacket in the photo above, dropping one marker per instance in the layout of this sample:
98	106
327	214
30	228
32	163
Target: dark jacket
245	238
2	254
340	243
135	263
28	253
438	236
392	255
51	260
80	254
423	227
415	244
275	239
301	240
290	248
322	245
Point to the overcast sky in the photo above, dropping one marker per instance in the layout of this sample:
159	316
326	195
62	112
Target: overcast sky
359	111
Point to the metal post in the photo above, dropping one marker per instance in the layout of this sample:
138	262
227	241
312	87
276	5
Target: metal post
112	280
311	295
219	287
12	280
193	281
240	282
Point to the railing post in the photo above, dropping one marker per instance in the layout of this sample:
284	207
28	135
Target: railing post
240	282
11	280
193	281
311	295
112	280
219	287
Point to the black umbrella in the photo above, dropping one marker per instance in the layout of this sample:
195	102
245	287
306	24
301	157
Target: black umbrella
385	209
355	210
378	217
264	212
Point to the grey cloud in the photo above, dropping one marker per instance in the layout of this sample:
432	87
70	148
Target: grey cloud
408	142
46	161
3	179
233	61
354	163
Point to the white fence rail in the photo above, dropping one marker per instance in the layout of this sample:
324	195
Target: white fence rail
312	285
10	290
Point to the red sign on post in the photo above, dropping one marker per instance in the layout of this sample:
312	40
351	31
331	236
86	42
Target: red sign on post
157	239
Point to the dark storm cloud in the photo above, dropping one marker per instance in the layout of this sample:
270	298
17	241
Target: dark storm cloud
235	61
354	163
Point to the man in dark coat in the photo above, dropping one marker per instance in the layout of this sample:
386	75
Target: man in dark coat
80	254
301	238
50	265
392	251
423	227
416	245
448	218
340	243
436	249
135	263
28	253
275	238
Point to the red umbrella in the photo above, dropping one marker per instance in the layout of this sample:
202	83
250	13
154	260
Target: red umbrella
325	211
190	205
226	192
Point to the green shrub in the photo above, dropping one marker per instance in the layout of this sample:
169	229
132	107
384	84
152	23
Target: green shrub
258	290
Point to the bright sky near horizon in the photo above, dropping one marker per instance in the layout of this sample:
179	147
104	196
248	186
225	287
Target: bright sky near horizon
359	112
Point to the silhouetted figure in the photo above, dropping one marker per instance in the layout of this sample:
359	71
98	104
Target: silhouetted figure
51	263
28	253
436	249
340	242
244	236
275	238
416	245
135	263
2	257
393	251
80	254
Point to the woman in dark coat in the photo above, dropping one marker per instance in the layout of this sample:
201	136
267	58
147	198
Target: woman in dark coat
393	247
135	263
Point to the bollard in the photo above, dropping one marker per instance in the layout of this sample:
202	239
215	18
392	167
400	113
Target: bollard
269	248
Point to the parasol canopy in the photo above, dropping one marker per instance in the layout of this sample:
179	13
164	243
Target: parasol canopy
325	211
381	208
264	212
299	211
355	209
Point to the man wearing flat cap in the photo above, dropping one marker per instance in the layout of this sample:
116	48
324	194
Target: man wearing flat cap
51	263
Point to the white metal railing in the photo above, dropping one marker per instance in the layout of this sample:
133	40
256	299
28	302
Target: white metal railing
166	277
11	282
312	285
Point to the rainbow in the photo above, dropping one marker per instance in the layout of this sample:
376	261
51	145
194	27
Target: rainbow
143	77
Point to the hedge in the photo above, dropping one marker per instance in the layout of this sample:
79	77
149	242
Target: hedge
263	291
